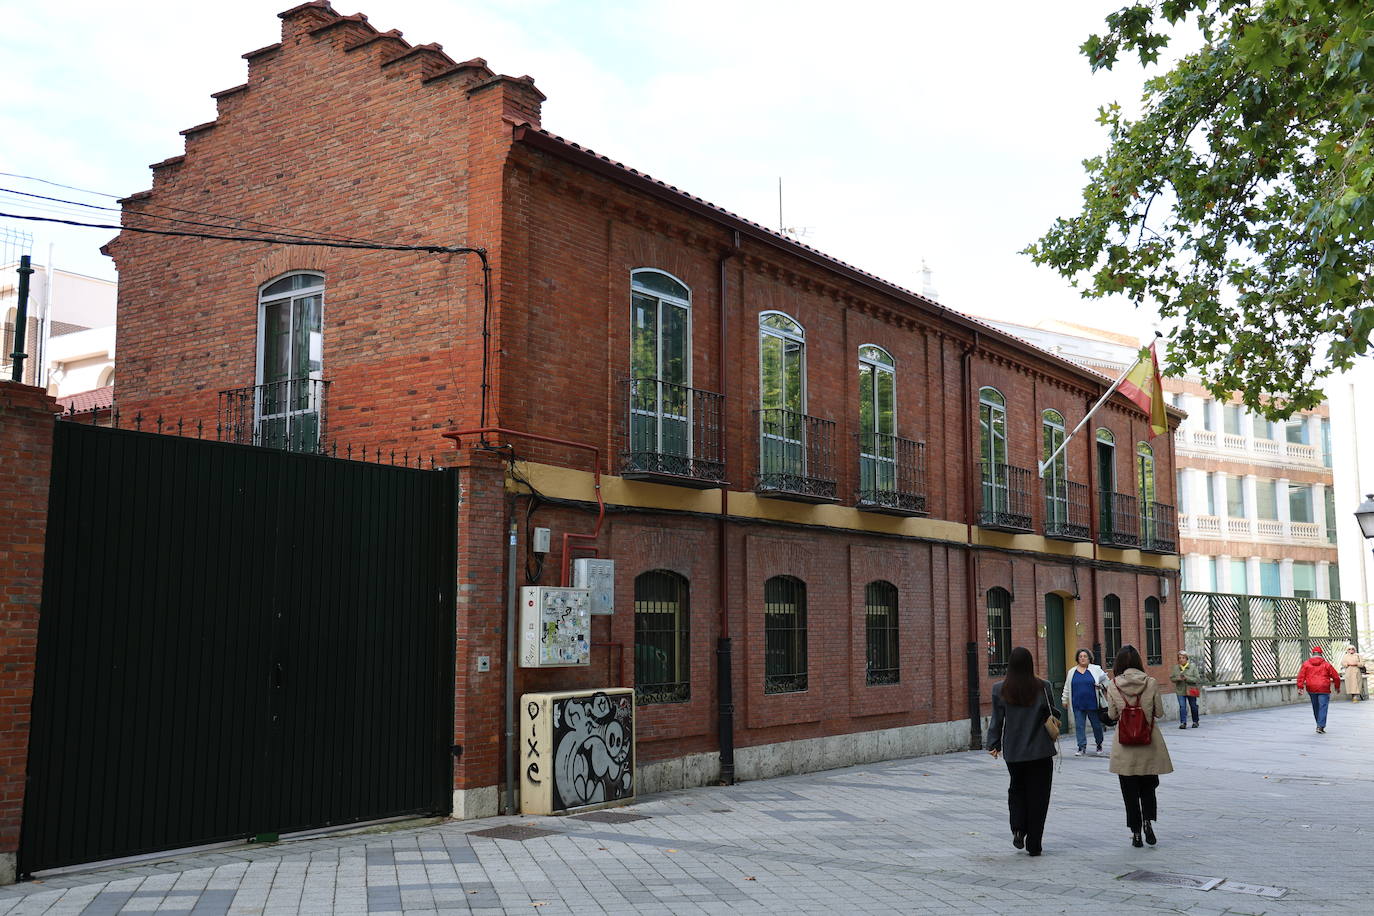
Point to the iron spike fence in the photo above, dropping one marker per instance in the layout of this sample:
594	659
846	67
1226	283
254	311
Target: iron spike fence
1252	639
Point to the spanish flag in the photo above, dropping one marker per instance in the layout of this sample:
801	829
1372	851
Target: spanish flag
1143	385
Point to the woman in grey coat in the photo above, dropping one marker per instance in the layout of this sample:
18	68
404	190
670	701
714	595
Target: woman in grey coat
1020	706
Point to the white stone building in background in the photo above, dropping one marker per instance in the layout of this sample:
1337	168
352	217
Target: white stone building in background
1257	511
70	335
1351	396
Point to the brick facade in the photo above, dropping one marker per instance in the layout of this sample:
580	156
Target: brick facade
344	128
26	433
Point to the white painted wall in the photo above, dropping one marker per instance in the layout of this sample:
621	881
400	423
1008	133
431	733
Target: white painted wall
1352	458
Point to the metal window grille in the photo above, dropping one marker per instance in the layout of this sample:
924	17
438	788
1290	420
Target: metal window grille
1111	628
661	638
784	626
999	629
1154	644
880	605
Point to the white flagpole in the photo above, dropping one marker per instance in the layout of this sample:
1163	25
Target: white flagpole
1088	416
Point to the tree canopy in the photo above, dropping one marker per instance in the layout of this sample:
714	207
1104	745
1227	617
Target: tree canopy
1240	201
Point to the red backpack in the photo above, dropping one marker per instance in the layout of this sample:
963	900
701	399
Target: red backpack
1133	726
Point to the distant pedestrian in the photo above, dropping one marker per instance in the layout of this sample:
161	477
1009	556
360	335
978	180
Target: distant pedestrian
1353	669
1138	766
1021	706
1083	687
1186	687
1317	677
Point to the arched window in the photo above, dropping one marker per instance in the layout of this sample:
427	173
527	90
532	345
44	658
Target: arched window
992	429
107	377
880	607
782	400
660	364
1145	492
289	400
877	424
1109	506
1056	472
1154	642
662	635
1111	629
999	629
784	635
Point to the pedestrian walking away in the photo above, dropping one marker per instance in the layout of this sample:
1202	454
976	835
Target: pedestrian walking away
1353	669
1187	687
1318	678
1021	709
1139	755
1083	692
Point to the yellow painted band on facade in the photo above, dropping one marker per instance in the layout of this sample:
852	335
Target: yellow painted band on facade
570	483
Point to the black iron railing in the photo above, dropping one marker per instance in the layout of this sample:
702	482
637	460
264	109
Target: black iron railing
674	434
1158	528
892	474
1119	522
1066	510
289	414
796	456
1006	497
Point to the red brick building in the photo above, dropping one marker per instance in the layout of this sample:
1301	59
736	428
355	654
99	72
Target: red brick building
823	478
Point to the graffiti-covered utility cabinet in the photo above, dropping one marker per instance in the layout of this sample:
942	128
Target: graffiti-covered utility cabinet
555	627
576	750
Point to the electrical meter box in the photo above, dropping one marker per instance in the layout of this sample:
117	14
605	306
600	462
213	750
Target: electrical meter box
555	627
577	750
597	577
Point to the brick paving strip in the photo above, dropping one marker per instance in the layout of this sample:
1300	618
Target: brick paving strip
1252	809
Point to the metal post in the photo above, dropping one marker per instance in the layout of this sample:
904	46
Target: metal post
975	700
512	625
726	711
21	320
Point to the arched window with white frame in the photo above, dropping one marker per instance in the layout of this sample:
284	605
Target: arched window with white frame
877	423
660	367
782	399
289	397
1145	492
992	429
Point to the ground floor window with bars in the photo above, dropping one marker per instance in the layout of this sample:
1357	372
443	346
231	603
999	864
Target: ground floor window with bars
784	635
1111	630
880	606
661	638
1154	642
999	629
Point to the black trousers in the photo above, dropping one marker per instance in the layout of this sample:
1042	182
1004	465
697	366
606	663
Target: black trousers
1028	798
1138	792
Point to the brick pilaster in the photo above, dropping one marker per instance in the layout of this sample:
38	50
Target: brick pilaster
26	438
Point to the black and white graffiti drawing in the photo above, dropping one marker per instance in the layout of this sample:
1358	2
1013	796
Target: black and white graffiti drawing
592	760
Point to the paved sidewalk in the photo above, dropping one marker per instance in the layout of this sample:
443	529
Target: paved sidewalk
1254	799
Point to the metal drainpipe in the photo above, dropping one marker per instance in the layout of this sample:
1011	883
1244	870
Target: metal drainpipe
1092	534
512	624
725	693
975	699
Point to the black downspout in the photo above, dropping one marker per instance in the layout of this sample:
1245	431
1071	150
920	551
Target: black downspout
21	320
725	691
975	699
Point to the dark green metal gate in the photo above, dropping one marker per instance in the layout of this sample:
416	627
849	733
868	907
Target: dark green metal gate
235	641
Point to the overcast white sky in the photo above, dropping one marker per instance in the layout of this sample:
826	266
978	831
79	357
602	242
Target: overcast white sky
947	132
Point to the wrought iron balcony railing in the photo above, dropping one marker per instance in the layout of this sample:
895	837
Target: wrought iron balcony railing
796	456
1066	510
1006	497
892	474
1119	525
289	414
1158	528
673	434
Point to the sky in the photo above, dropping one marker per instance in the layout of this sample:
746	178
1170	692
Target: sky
902	133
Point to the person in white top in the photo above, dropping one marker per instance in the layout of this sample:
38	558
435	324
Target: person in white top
1083	687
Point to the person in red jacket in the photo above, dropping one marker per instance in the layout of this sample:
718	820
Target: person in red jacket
1318	678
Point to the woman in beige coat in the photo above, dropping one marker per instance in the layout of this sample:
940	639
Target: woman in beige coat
1138	766
1351	673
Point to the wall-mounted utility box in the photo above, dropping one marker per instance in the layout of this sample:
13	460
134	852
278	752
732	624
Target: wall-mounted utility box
577	750
555	627
598	578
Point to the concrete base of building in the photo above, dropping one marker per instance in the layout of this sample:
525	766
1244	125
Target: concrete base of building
483	801
806	755
8	867
1236	697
